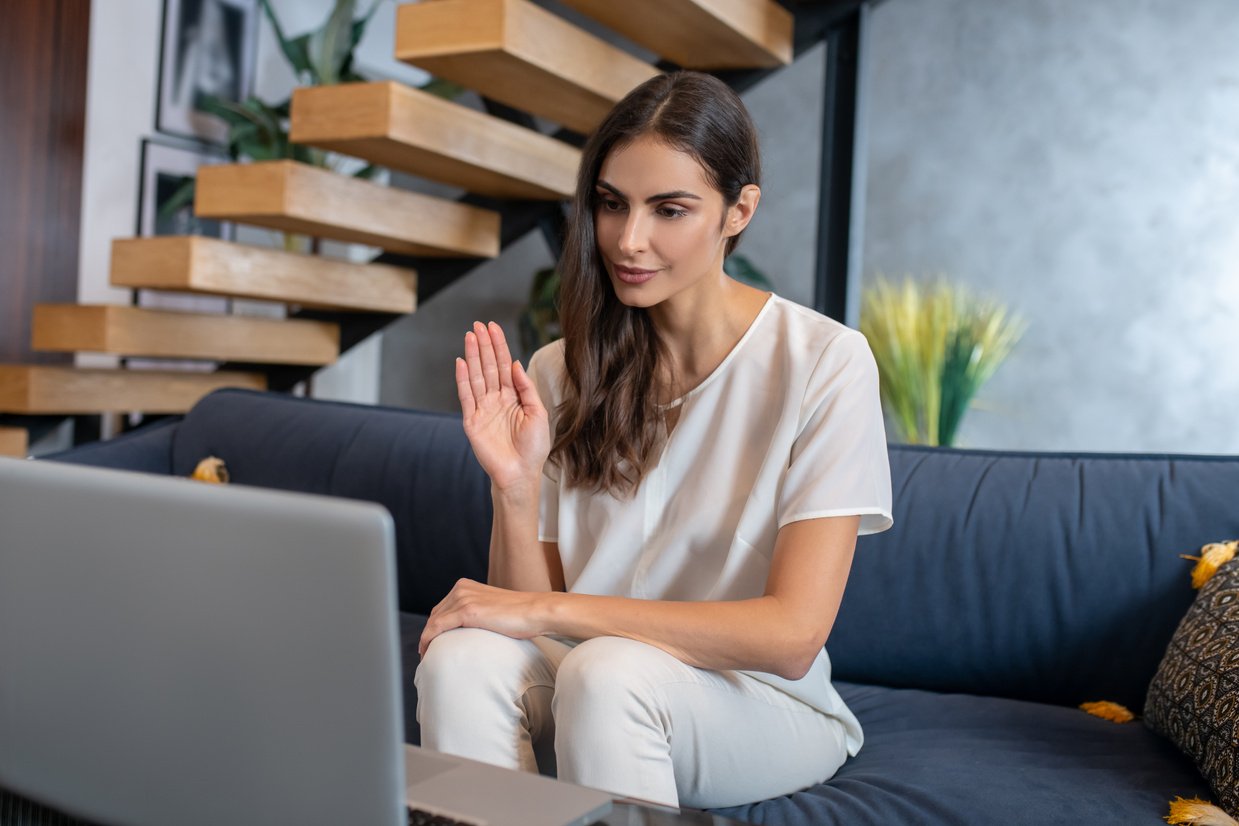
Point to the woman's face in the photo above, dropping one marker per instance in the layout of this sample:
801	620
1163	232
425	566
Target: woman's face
655	212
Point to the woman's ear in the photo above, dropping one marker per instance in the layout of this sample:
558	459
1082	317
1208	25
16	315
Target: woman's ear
739	215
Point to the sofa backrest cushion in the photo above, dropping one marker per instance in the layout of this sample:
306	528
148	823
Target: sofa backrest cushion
1039	576
419	465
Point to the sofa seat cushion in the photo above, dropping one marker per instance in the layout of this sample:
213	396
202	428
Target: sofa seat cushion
934	758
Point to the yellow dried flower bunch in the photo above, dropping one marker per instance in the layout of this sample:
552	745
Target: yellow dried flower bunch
1212	556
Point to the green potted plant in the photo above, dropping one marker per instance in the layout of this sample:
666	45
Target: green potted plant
935	344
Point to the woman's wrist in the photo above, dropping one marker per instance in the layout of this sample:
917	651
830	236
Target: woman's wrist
517	493
552	612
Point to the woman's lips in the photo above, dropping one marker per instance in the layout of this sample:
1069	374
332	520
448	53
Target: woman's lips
631	276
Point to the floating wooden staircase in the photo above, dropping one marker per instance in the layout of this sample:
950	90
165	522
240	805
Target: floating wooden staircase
296	197
13	441
416	132
38	389
522	55
133	331
511	52
190	263
701	34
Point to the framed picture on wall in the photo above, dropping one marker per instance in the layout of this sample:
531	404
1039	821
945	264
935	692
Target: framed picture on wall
207	48
165	195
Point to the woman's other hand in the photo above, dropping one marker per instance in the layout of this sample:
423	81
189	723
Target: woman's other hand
471	604
504	419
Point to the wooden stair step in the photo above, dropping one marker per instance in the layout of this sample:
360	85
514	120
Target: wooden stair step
407	129
190	263
134	331
14	441
701	34
297	197
520	54
42	390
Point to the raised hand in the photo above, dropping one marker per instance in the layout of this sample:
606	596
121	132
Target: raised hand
505	421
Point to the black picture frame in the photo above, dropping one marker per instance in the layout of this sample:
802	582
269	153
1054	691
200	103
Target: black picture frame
164	168
206	47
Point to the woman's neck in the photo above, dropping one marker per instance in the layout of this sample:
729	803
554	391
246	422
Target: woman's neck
699	330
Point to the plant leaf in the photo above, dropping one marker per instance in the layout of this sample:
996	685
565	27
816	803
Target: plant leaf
742	269
539	323
936	344
294	50
183	195
442	88
330	47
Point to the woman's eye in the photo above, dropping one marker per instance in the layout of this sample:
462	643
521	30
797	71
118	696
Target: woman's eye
673	213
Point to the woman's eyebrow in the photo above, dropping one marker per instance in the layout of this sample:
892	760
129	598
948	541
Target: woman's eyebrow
662	196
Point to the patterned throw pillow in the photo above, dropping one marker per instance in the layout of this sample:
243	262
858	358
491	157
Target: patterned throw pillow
1194	697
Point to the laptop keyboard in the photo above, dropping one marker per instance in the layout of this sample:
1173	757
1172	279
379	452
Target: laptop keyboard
421	817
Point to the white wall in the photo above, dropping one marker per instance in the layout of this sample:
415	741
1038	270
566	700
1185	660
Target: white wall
120	109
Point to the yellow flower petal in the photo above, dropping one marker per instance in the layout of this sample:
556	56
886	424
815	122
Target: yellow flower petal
1212	556
211	469
1197	812
1107	710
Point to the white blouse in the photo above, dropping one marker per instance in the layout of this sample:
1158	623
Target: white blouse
788	427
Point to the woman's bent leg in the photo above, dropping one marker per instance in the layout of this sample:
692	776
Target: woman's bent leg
633	720
486	696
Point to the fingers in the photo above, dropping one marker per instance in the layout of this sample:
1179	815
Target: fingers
503	356
525	388
443	617
473	362
490	367
434	624
463	389
428	636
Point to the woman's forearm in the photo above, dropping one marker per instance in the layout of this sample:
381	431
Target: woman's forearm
781	632
518	561
761	634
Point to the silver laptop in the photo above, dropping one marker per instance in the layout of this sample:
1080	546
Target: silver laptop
175	652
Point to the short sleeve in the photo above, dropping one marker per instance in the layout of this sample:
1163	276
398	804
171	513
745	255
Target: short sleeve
548	499
839	464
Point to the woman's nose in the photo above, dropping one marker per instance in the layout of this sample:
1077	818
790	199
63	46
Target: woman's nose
632	239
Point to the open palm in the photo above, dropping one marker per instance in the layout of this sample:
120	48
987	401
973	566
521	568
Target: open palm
505	421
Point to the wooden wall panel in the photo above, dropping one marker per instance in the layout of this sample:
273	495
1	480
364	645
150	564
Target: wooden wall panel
43	58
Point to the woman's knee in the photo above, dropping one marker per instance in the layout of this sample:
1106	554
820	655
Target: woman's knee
467	658
608	673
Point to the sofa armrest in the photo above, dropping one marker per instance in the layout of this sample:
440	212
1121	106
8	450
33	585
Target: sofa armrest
147	449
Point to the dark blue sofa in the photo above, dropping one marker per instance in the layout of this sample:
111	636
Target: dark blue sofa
1013	587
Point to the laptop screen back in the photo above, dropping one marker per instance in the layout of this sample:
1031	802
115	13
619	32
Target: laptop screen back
174	652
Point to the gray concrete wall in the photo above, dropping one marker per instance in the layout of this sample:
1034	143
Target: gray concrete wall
1079	161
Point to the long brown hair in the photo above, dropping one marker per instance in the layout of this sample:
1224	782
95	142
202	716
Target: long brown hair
607	427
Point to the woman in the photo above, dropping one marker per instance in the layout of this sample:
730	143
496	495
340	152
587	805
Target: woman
678	486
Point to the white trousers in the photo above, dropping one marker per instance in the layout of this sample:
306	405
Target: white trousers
622	716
